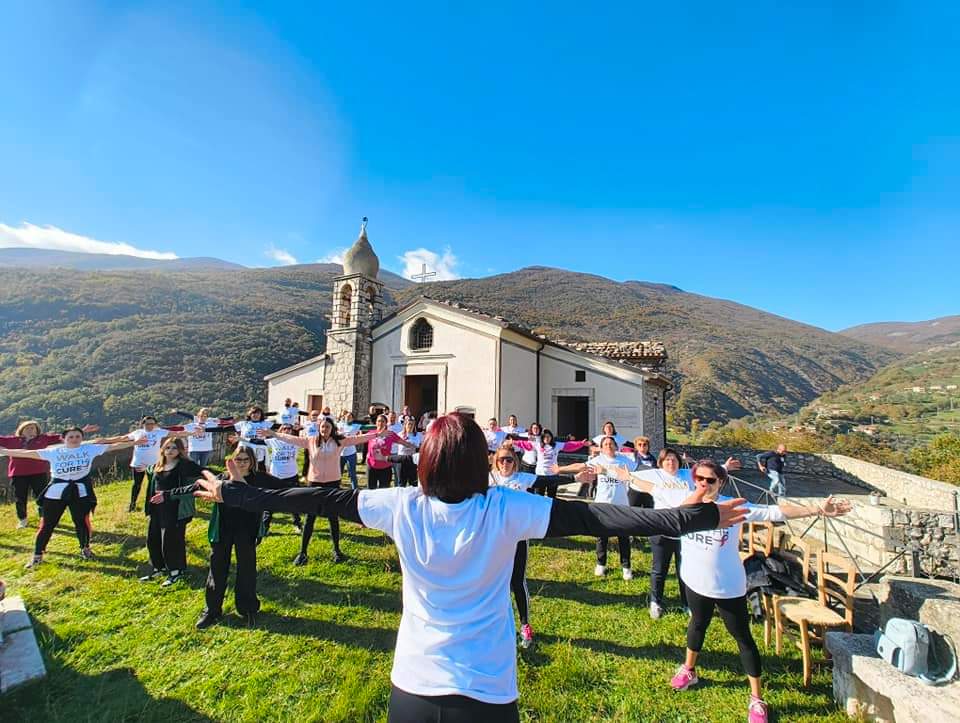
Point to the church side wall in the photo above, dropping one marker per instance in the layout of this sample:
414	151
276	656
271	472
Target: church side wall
518	383
610	398
296	385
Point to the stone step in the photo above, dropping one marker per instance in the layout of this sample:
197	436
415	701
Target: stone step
935	603
869	688
20	658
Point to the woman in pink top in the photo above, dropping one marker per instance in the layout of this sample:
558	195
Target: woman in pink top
30	474
379	467
323	451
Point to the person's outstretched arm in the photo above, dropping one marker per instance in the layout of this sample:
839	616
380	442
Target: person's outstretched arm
603	520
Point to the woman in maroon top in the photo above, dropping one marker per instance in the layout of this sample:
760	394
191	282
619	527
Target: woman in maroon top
28	475
379	467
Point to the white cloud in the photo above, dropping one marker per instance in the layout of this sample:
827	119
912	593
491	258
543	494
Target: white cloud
281	256
334	257
445	266
28	236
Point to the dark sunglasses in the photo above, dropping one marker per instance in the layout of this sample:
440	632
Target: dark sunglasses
511	460
708	480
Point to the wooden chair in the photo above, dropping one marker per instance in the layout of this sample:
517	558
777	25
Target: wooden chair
800	551
833	608
758	538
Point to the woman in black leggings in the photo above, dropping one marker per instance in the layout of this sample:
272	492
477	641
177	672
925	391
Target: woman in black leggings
455	657
714	576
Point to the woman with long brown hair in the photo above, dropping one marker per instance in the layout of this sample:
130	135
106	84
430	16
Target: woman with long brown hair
169	514
456	537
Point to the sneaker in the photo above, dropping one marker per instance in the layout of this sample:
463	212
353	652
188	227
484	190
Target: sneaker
173	579
22	523
298	528
132	507
300	560
656	612
688	612
208	619
153	575
684	679
338	556
627	573
600	570
34	561
756	711
526	636
86	553
249	619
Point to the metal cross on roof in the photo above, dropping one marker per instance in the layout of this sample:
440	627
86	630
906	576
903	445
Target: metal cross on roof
423	275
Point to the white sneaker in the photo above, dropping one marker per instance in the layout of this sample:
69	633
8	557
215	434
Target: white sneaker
655	611
22	523
600	570
627	573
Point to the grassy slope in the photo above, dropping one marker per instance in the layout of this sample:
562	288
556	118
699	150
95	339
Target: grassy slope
117	649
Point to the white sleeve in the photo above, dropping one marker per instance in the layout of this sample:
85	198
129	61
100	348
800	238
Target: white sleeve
667	497
376	508
164	433
48	454
527	515
136	434
764	513
98	449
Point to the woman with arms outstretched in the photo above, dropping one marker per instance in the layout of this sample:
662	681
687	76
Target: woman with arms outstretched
456	537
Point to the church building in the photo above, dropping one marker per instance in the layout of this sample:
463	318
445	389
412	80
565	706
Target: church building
435	355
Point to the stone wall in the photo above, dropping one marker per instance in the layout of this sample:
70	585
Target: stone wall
908	488
653	415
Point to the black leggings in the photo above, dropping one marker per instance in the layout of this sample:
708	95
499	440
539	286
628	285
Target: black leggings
664	549
378	478
138	475
52	511
167	545
410	708
518	581
23	485
623	543
408	473
333	519
547	485
733	612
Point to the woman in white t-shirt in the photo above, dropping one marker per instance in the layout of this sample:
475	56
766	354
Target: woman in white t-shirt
528	458
247	435
713	572
513	428
282	464
609	429
506	473
201	428
70	487
546	452
407	467
455	537
346	427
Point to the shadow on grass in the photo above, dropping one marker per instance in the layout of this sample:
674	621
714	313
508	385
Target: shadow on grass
66	695
566	543
312	591
581	592
368	638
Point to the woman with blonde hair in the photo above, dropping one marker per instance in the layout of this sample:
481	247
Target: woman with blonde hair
169	514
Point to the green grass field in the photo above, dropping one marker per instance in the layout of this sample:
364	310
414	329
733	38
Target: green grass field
117	649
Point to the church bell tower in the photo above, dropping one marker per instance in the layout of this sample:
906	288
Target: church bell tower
357	308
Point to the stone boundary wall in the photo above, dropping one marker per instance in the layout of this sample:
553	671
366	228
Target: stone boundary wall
910	489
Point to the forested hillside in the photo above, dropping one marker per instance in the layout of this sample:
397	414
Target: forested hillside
108	347
727	359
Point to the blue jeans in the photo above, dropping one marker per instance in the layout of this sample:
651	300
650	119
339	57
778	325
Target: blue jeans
350	462
778	485
200	458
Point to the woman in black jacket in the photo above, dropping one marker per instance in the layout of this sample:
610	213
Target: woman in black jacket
169	514
232	528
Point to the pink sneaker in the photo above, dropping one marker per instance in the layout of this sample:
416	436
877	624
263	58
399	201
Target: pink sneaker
756	711
684	678
526	636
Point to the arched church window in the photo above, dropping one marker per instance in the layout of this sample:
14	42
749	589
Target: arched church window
421	335
346	299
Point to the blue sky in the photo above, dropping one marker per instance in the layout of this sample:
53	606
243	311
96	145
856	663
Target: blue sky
804	161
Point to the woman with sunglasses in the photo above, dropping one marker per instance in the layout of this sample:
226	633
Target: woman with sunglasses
169	514
324	454
455	536
506	473
232	530
714	575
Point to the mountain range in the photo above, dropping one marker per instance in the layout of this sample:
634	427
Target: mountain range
108	345
908	336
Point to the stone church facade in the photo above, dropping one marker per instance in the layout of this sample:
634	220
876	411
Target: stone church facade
436	355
